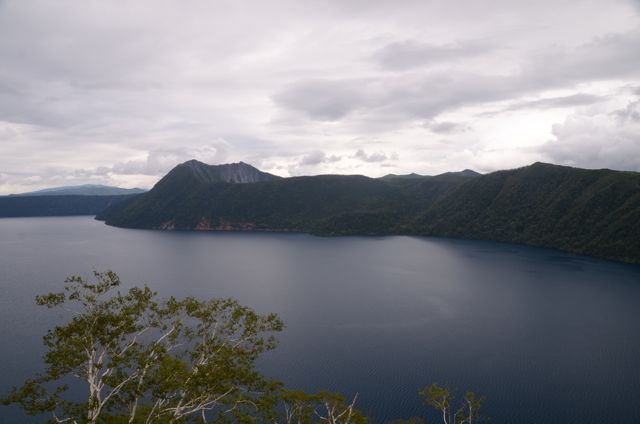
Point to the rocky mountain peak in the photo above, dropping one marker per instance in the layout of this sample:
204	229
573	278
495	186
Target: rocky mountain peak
239	172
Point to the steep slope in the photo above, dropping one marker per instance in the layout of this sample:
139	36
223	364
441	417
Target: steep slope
83	190
194	171
297	204
237	196
592	212
417	192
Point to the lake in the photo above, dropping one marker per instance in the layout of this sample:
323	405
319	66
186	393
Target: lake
548	337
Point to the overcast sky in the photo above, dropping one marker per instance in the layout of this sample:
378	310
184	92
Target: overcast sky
118	92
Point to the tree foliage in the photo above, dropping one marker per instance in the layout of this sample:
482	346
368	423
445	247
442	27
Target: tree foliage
148	360
323	408
441	399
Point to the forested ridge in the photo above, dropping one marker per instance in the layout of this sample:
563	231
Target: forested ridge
592	212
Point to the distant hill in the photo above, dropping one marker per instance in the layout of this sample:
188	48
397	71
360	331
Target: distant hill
412	176
593	212
53	205
83	190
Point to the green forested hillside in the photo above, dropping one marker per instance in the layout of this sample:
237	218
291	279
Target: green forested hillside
189	198
593	212
287	204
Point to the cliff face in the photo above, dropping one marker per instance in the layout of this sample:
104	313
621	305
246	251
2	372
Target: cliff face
240	173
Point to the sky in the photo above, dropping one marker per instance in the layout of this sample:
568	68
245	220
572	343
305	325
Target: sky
118	92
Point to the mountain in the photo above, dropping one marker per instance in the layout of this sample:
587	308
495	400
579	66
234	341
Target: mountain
202	173
414	176
592	212
465	173
53	205
83	190
198	196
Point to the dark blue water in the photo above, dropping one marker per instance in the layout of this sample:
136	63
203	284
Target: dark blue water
547	337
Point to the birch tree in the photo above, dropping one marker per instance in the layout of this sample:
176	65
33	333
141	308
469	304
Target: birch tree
441	399
322	408
144	360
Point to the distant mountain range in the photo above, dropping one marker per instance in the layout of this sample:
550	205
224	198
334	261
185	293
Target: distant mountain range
83	190
592	212
87	199
56	205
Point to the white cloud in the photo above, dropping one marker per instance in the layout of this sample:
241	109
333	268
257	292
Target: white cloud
160	161
598	140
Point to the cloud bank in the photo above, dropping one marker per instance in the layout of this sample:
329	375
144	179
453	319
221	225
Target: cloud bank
119	92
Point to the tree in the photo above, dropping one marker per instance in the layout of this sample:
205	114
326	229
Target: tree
441	398
323	408
144	360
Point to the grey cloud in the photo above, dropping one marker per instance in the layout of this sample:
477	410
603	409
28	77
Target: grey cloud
374	157
629	114
402	98
324	100
446	127
426	95
317	157
160	161
579	99
605	57
411	53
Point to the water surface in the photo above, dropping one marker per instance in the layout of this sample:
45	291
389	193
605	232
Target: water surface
548	337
